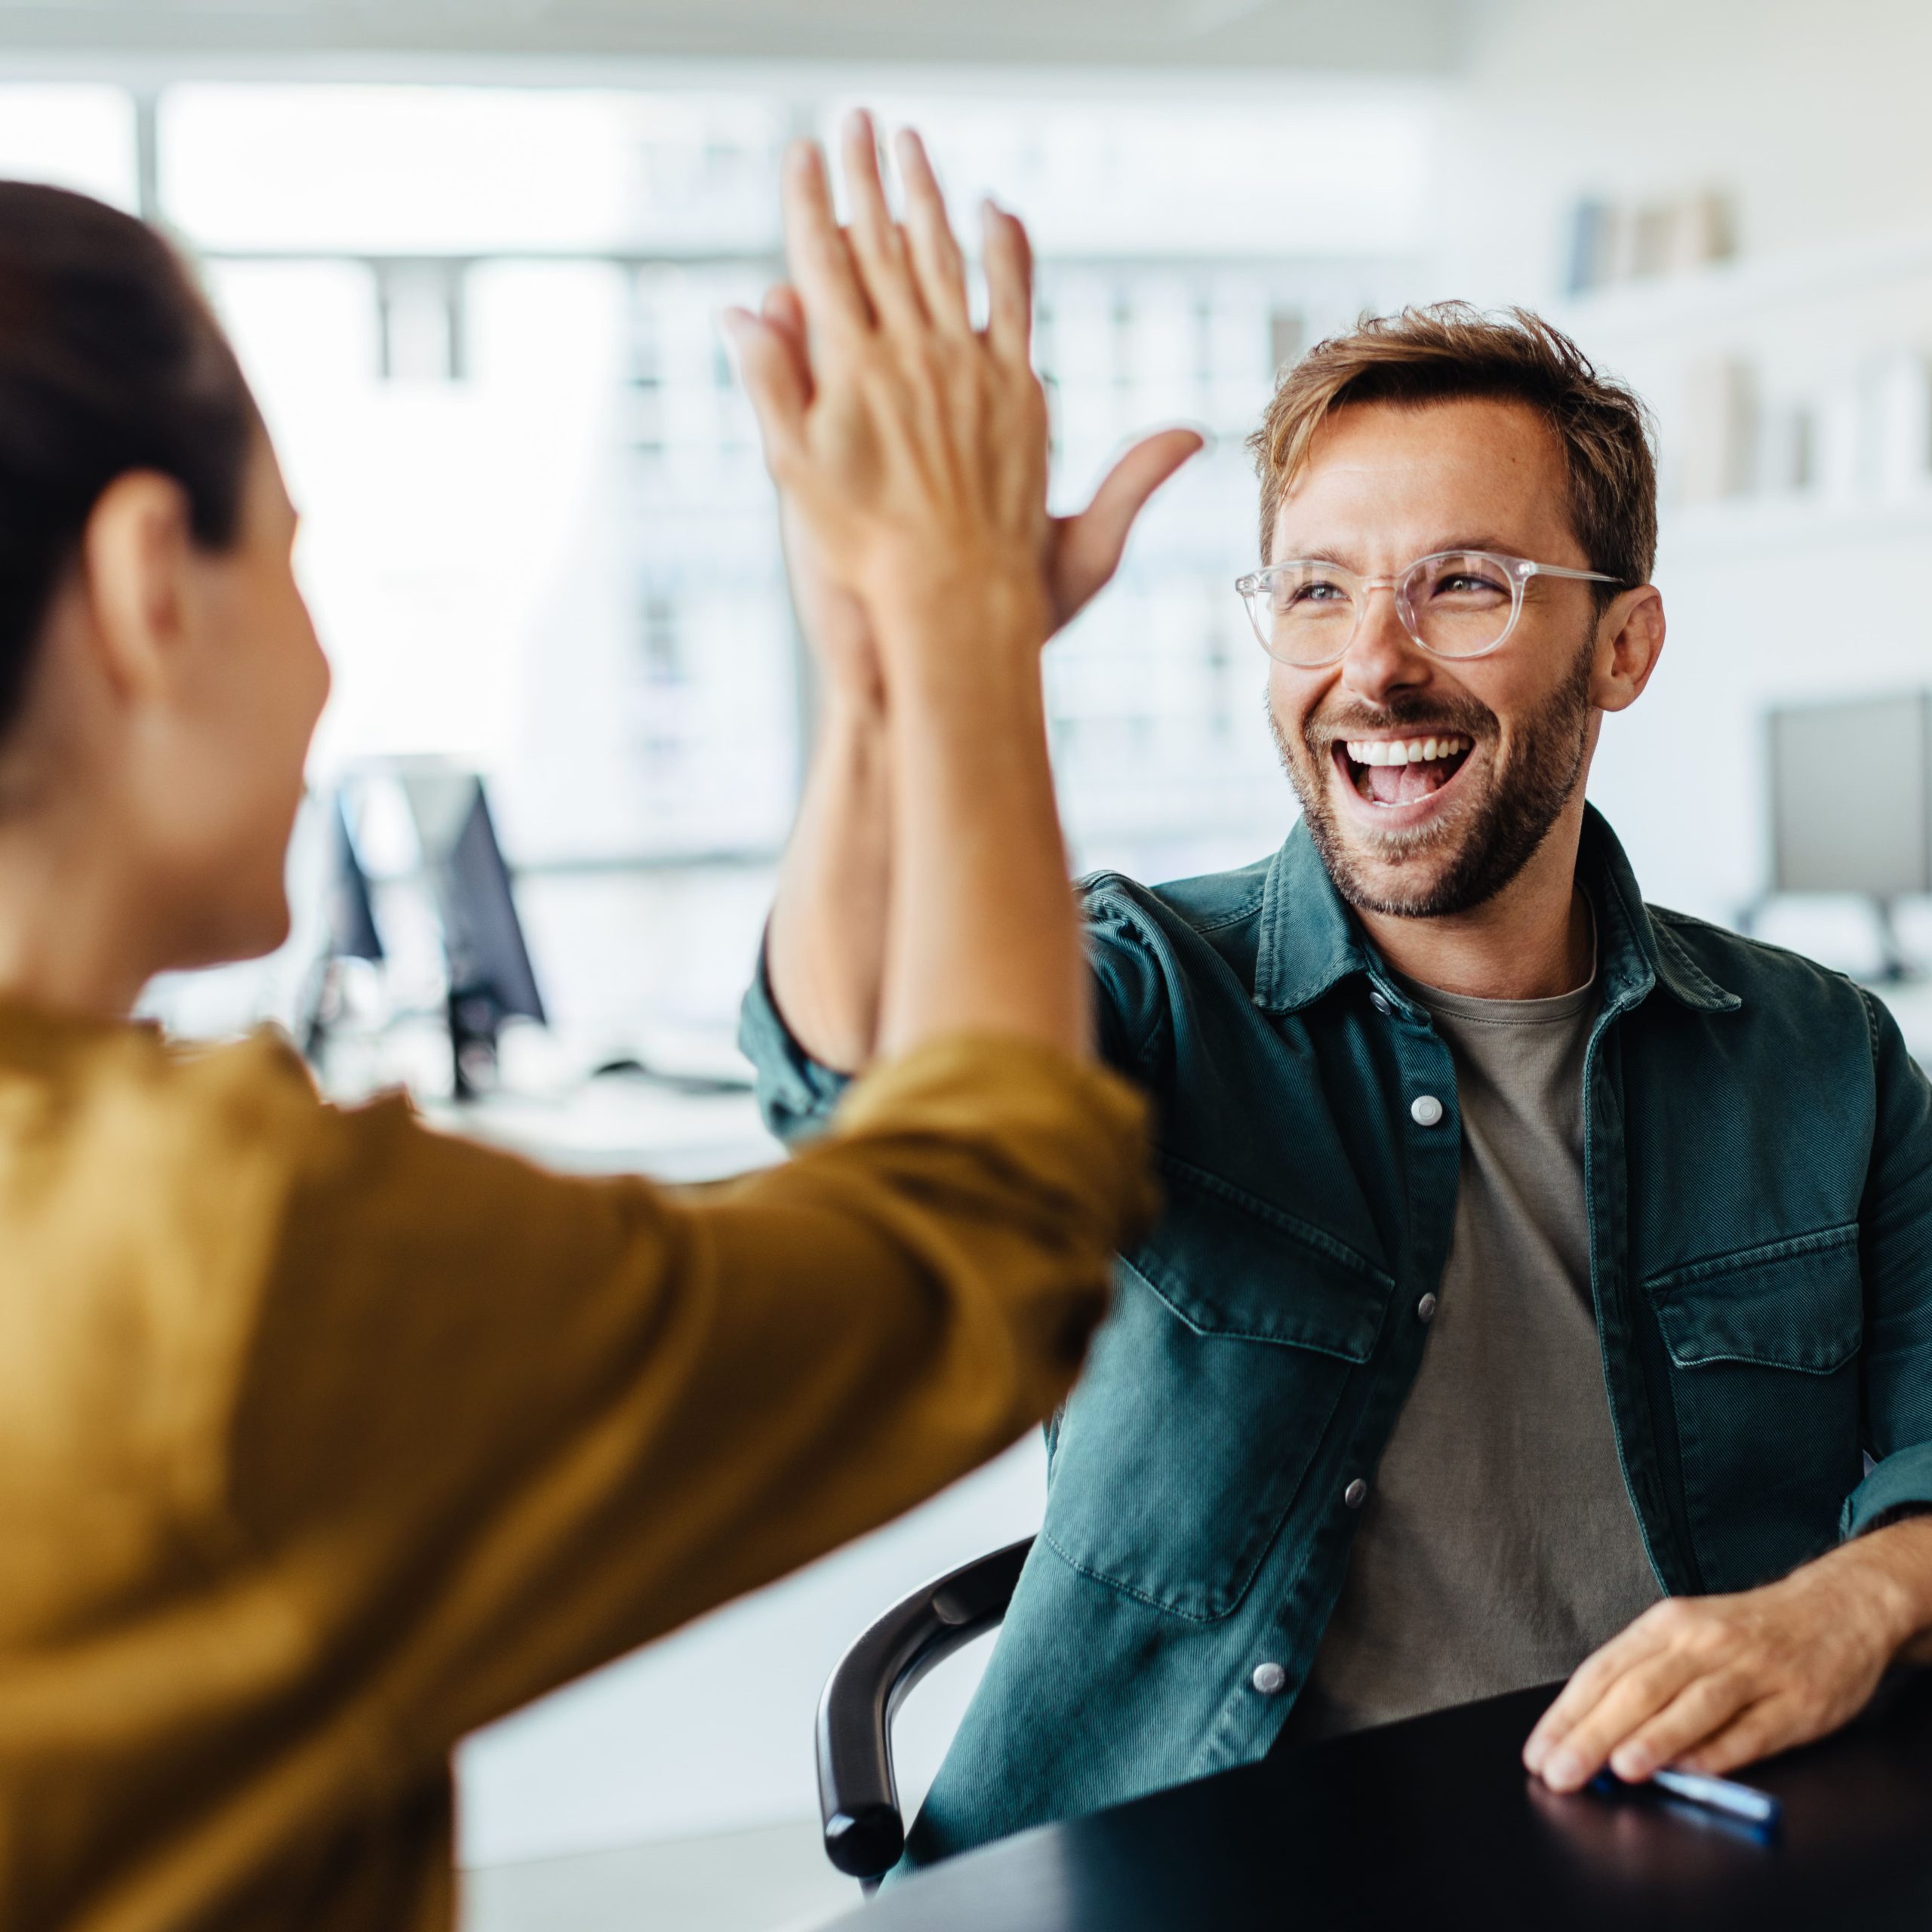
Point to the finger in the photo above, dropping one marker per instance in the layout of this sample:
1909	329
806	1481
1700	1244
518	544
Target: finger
1588	1683
834	298
1696	1714
781	310
1089	545
877	242
1634	1698
770	372
937	260
1009	259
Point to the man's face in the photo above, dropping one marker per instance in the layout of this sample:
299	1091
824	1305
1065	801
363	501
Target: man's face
1387	484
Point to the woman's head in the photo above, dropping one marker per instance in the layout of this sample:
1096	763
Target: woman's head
159	677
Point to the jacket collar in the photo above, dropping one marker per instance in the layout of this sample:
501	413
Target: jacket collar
1309	940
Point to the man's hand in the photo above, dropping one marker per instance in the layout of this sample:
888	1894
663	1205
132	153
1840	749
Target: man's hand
1083	551
1706	1684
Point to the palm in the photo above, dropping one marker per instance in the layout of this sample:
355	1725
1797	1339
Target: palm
1083	551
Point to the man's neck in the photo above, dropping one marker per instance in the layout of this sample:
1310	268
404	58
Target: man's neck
1533	940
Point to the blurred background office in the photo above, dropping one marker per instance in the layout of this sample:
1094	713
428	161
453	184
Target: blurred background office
471	256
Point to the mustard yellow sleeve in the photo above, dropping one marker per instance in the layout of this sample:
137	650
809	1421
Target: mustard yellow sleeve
497	1426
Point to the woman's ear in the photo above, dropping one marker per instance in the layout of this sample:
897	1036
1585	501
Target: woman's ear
1629	642
136	552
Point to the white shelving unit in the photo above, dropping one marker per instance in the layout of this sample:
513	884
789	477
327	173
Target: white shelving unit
1795	558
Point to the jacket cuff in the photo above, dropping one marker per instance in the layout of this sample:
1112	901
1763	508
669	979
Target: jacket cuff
1902	1482
797	1095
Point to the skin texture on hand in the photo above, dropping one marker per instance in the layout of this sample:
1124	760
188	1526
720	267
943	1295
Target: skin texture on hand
1709	1683
917	459
910	449
1083	551
827	939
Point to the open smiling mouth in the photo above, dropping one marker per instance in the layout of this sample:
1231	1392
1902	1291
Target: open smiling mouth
1402	771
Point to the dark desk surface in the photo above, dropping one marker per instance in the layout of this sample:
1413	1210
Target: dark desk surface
1434	1822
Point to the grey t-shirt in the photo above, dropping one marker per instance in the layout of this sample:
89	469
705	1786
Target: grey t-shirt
1498	1547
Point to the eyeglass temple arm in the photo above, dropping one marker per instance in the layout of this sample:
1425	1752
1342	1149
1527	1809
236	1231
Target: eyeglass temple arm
1578	576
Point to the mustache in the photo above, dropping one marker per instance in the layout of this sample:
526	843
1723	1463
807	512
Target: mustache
1333	725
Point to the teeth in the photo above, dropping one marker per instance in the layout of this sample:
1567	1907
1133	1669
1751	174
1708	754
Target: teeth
1404	751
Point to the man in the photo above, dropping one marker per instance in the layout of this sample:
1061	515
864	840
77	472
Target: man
1546	1281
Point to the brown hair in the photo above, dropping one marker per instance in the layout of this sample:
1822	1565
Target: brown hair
109	361
1450	351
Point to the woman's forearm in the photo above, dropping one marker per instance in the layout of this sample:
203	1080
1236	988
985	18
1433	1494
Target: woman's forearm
983	933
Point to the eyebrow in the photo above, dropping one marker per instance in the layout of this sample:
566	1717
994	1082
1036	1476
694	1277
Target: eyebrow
1330	554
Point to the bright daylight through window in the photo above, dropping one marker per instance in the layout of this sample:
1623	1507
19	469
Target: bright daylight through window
538	537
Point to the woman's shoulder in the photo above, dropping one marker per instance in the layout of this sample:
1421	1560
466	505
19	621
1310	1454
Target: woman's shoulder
185	1136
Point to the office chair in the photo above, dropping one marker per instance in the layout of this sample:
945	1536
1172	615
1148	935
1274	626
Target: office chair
858	1798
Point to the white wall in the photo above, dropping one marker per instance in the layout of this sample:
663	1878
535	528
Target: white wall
1811	121
1812	116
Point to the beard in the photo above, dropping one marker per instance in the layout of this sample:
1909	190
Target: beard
1466	858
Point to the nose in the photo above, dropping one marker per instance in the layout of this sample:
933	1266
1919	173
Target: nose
1382	657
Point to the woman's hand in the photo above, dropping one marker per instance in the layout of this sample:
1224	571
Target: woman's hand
910	448
1083	551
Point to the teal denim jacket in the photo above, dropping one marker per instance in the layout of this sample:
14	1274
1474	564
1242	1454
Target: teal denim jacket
1757	1168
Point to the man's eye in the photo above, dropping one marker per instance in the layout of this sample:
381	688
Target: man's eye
1315	593
1465	584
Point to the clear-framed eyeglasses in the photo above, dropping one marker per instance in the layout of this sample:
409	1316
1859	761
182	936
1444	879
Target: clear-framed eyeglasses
1455	604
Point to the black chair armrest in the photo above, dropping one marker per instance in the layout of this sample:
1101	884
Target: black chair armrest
858	1798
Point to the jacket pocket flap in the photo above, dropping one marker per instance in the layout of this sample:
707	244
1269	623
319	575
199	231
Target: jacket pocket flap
1228	1265
1797	1303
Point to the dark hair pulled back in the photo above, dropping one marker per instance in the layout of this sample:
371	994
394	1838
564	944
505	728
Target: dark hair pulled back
110	362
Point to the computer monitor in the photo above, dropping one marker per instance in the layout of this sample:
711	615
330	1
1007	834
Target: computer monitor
1851	801
490	977
351	912
349	931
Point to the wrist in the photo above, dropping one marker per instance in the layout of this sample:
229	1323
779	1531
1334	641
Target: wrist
982	604
1891	1571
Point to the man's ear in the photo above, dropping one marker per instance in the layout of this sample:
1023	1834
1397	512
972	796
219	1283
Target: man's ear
1629	642
136	554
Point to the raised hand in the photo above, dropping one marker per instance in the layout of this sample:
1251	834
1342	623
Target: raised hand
916	458
1080	552
910	450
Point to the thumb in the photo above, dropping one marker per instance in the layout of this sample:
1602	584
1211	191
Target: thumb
769	367
1087	547
782	310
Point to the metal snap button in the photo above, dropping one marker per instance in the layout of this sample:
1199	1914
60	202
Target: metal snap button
1269	1678
1356	1494
1426	1309
1424	1110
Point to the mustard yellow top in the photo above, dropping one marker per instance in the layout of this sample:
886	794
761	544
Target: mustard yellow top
325	1438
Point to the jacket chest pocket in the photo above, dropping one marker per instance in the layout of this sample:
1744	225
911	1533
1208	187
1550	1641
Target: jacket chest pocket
1205	1399
1763	1345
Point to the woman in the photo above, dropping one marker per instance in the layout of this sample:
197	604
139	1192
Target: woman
324	1438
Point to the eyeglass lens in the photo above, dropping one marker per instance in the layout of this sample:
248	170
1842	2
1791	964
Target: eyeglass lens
1458	605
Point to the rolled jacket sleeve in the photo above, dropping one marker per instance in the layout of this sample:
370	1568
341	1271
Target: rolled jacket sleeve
1895	1238
797	1094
